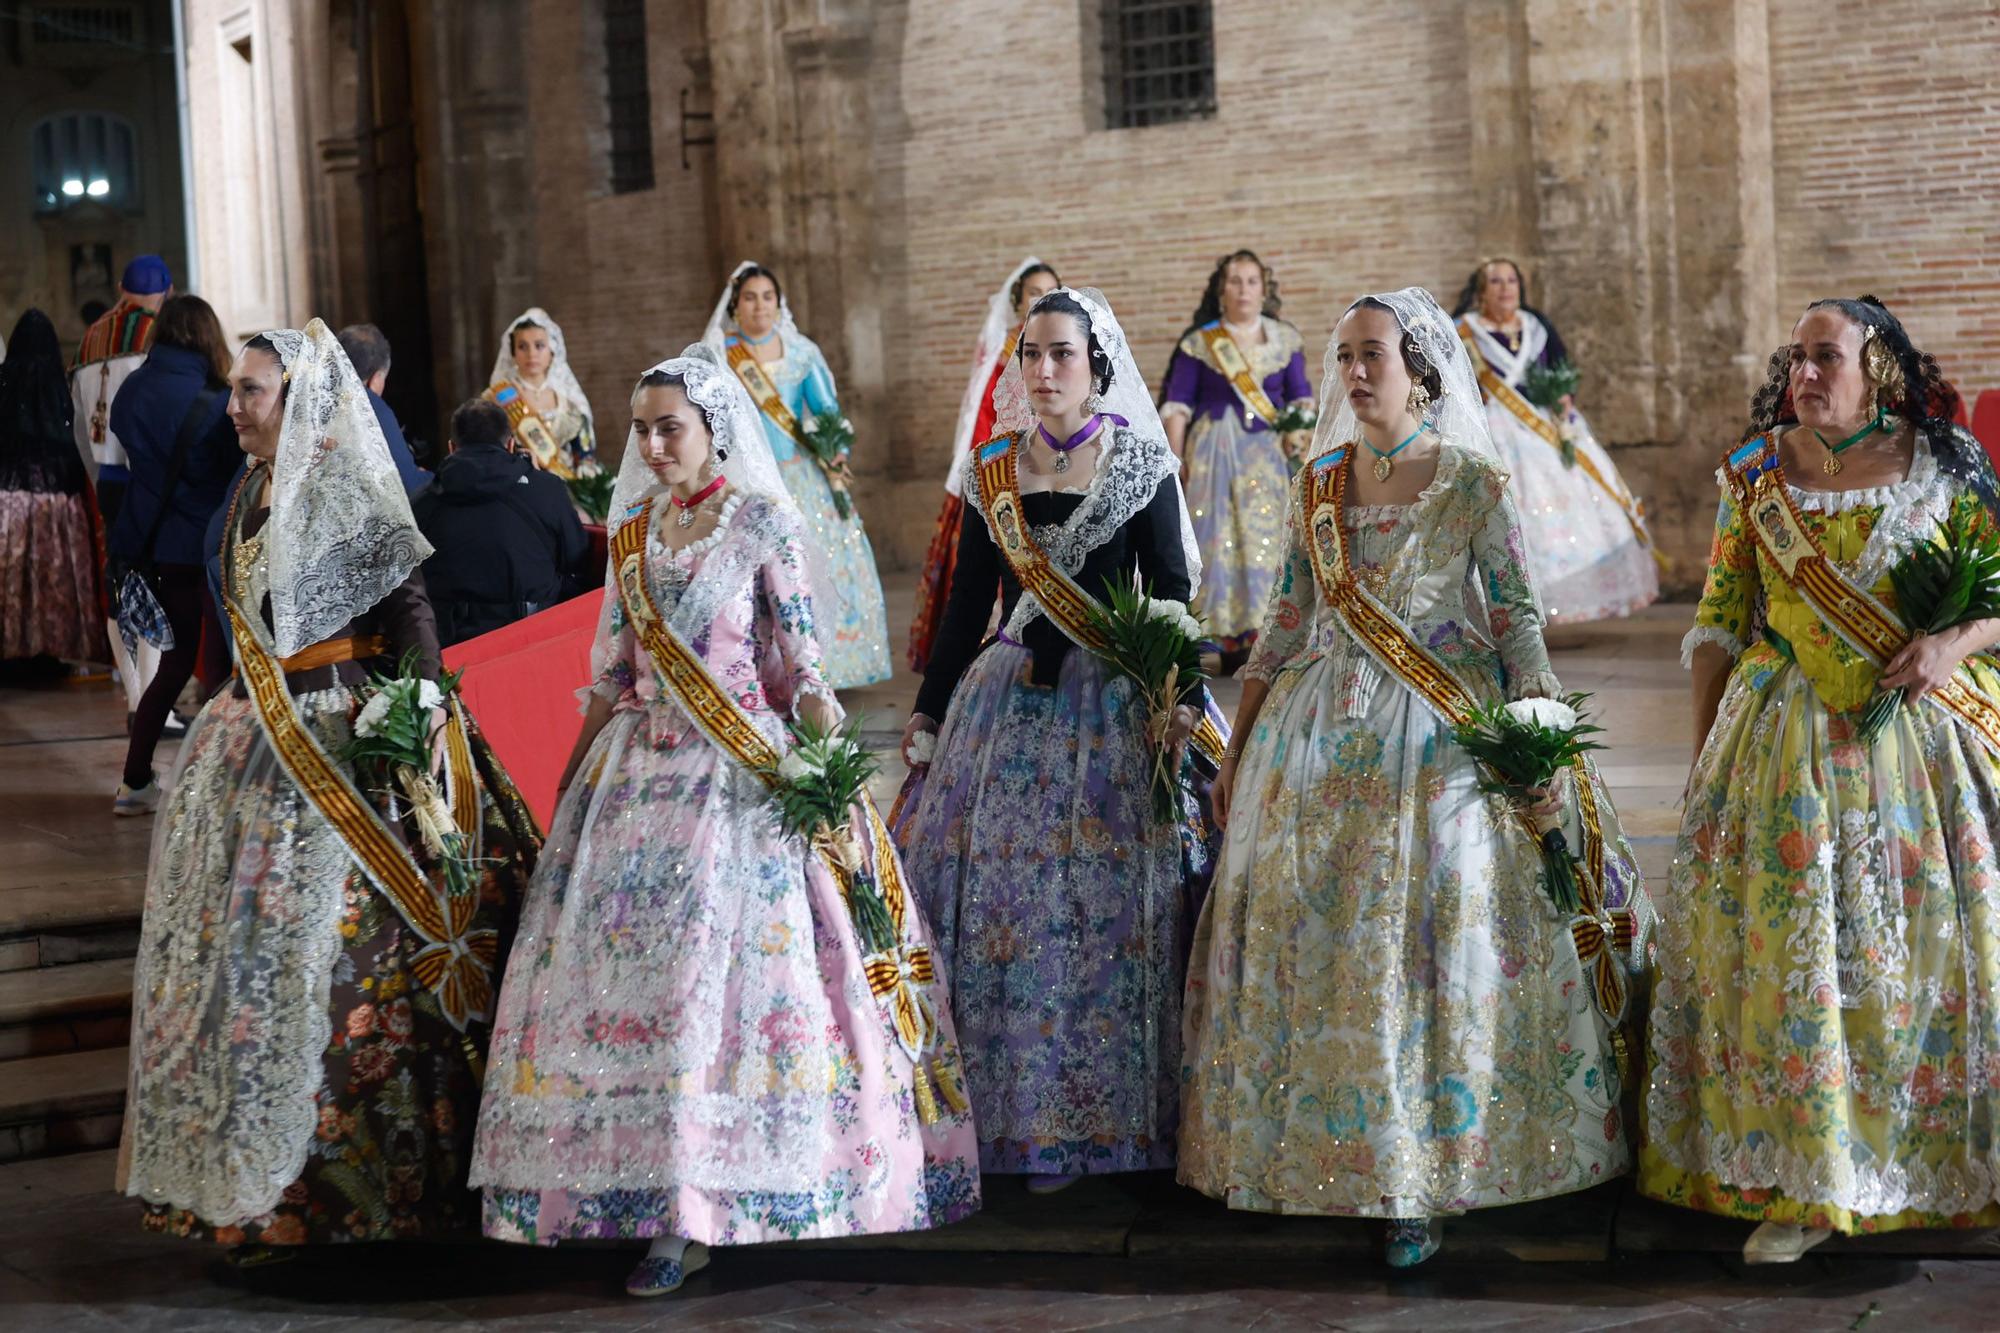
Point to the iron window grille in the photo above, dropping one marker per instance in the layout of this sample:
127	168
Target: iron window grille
628	96
1159	62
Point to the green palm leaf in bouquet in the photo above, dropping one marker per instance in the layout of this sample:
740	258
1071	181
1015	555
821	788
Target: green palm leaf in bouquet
817	785
829	437
1546	386
592	494
1521	748
1156	644
1947	581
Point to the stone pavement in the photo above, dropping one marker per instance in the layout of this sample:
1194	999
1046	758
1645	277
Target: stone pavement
1135	1251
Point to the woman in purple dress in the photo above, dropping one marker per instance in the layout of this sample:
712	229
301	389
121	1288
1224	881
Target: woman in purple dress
1233	374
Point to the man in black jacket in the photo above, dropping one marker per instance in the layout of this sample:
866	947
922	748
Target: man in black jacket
507	536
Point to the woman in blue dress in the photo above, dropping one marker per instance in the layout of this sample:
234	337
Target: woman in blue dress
788	380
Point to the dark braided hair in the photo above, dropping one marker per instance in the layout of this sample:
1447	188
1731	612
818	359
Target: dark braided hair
1060	302
1924	396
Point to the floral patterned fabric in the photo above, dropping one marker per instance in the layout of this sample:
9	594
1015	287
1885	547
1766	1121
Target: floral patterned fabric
48	576
1587	561
377	1133
1237	479
853	627
686	1043
1386	1016
1825	1034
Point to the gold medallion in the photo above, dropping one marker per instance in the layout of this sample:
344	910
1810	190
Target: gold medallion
1383	467
1830	465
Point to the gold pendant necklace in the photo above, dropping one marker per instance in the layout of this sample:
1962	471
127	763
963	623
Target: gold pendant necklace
1383	467
1830	464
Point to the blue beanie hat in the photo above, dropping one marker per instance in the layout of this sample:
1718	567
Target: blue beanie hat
146	276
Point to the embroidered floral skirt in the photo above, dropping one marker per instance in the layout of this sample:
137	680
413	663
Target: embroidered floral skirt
1237	489
1586	560
284	1054
851	618
48	578
687	1044
1826	1007
1059	904
1386	1015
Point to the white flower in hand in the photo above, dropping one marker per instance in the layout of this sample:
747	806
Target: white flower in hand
923	749
1551	713
373	713
429	695
794	768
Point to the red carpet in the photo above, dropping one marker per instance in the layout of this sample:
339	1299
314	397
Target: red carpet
520	684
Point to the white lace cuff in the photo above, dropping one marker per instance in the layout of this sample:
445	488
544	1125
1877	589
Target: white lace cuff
1168	411
1541	684
816	690
1714	634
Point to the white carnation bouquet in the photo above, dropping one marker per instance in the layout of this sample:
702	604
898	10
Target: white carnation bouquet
1155	643
819	782
1523	747
393	742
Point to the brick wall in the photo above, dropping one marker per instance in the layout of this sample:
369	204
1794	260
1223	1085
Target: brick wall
1886	137
629	277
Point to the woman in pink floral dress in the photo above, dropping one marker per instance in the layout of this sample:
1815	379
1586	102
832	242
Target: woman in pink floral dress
691	1045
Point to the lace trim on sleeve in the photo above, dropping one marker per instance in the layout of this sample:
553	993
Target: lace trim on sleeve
1534	685
1714	634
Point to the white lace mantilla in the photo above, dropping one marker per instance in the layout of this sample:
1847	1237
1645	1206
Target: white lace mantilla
1129	474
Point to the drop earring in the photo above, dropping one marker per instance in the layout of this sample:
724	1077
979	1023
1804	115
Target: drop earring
1419	401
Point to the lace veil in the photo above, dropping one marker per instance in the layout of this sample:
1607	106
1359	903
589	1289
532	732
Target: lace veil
1128	397
992	335
737	427
719	322
1459	416
561	378
342	533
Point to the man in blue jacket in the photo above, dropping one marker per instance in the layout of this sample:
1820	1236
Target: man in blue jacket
368	349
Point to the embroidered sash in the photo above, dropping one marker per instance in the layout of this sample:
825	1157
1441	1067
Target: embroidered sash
763	391
1228	358
1396	649
1499	390
455	962
1757	480
1067	605
530	429
898	977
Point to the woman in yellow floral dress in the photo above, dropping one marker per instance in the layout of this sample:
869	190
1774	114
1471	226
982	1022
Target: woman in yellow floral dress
1825	1037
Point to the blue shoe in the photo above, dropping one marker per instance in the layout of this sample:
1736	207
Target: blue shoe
657	1277
1412	1240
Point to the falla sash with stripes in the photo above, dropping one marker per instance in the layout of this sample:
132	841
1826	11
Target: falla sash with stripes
900	978
530	429
1757	480
455	962
763	391
1228	358
1068	606
1533	418
1602	935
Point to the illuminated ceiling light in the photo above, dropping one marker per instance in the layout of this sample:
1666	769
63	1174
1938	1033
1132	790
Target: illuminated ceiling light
73	188
99	188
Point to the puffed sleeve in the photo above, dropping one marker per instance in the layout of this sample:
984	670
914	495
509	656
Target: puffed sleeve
1177	396
817	391
1288	612
1512	613
1729	594
788	598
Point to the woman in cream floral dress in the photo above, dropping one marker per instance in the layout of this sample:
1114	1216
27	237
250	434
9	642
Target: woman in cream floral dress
1386	1014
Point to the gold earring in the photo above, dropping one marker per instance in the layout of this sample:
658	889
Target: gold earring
1419	400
